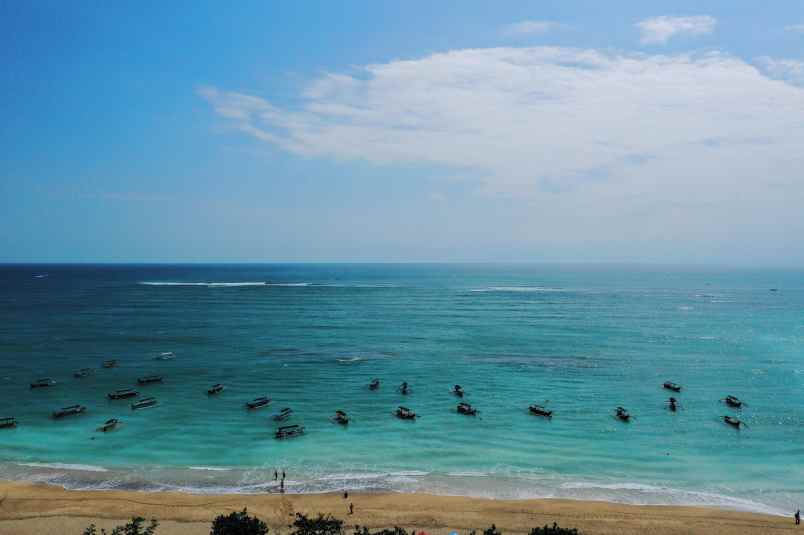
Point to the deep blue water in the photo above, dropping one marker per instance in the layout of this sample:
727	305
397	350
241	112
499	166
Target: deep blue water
586	338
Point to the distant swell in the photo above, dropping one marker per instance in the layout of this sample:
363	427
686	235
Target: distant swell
224	284
518	289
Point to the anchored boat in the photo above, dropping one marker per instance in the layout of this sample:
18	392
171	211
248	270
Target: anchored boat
733	401
143	403
149	379
467	409
282	415
539	410
43	383
216	389
167	355
405	413
732	421
83	372
621	414
289	431
258	403
341	418
109	363
7	422
109	425
672	404
72	410
374	384
672	386
124	393
404	388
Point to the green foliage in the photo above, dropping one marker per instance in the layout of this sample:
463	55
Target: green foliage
238	523
323	525
135	527
492	531
365	531
554	530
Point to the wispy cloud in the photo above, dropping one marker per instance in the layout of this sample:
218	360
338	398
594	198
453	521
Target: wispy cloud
789	70
659	30
795	28
570	131
529	27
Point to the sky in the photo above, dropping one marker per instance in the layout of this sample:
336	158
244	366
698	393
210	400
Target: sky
395	131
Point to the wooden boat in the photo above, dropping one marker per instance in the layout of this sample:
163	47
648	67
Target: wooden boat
621	414
374	384
7	422
539	410
125	393
72	410
258	403
283	415
733	401
149	379
341	418
405	413
216	389
458	390
672	386
144	403
109	425
83	372
465	408
289	431
109	364
43	383
732	421
672	404
404	388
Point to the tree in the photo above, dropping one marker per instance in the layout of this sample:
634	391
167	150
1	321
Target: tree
131	528
323	525
238	523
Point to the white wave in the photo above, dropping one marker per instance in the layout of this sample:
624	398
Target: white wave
210	468
289	284
518	289
65	466
350	360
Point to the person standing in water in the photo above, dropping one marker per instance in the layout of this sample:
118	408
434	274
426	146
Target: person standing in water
797	516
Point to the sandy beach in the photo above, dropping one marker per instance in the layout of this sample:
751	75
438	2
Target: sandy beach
32	509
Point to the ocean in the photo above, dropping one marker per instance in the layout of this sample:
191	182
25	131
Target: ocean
580	339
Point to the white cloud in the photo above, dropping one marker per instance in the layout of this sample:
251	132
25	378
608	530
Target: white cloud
596	144
659	30
790	70
795	28
529	27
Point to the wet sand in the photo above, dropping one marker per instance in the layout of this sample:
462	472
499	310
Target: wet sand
32	509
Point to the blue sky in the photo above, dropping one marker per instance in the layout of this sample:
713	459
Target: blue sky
403	131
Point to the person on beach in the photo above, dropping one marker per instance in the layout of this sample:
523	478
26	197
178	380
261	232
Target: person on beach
797	516
345	495
351	508
283	474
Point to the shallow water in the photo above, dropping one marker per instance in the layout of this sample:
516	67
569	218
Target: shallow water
312	336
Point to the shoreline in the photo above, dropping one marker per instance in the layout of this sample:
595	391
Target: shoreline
31	508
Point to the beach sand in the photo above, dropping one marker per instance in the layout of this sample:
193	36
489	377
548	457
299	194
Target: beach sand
33	509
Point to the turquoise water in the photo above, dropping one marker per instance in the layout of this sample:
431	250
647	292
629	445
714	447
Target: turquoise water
585	338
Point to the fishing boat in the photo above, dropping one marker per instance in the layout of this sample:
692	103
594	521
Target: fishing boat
672	386
733	401
258	403
167	355
404	388
374	384
109	364
732	421
149	379
7	422
458	390
125	393
83	372
144	403
43	383
672	404
282	415
289	431
109	425
341	418
539	410
216	389
405	413
465	408
72	410
621	414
